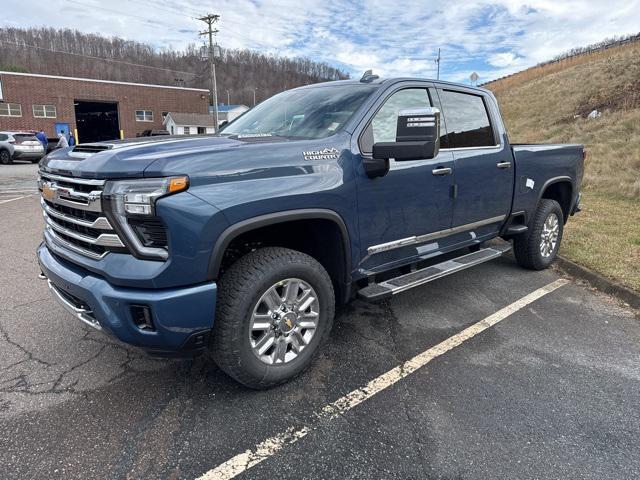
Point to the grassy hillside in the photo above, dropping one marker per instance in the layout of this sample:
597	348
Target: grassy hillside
551	105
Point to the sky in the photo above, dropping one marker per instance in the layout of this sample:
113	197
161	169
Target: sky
392	37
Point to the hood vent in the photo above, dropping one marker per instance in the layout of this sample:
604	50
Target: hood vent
87	149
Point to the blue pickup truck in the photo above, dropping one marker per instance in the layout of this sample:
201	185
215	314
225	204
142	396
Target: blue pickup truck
243	243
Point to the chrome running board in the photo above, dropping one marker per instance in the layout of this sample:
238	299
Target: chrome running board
388	288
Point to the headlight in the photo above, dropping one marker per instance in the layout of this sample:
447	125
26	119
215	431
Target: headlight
137	199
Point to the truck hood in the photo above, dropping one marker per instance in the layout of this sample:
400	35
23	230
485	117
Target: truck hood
131	157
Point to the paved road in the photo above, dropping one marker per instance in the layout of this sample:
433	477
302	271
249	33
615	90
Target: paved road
552	391
17	180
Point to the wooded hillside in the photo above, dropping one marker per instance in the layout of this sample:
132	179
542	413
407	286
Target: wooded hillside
73	53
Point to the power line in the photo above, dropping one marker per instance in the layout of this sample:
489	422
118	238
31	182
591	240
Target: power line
96	58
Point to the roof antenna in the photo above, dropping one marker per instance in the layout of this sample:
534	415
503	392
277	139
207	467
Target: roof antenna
368	77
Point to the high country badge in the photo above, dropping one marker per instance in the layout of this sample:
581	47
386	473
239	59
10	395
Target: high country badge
324	154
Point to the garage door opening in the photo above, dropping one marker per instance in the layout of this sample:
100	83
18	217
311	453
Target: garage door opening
97	121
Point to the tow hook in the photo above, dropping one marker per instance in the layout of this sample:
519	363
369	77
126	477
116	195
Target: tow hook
42	276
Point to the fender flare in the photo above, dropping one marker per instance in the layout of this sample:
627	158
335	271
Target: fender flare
560	179
233	231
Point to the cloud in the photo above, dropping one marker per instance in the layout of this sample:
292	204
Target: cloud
505	59
491	37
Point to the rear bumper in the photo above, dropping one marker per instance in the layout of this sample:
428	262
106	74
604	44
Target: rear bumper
576	206
28	154
182	317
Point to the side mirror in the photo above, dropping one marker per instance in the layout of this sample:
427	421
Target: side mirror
417	136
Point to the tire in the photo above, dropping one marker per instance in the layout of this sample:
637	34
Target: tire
35	160
243	294
5	157
535	249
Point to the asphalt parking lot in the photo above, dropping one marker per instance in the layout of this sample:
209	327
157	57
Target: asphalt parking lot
550	392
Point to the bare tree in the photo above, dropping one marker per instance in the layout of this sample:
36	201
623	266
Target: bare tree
69	52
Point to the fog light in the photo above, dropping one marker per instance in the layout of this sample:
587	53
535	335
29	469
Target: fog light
141	315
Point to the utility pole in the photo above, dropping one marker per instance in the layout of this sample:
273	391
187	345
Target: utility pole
254	96
228	101
211	20
438	62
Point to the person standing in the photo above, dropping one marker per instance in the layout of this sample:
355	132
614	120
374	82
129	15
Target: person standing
72	140
62	142
43	139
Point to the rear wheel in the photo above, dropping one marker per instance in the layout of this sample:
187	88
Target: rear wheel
5	157
538	248
275	308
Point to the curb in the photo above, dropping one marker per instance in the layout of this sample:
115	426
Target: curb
599	282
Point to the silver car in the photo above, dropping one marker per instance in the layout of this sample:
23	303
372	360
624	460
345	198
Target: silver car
20	145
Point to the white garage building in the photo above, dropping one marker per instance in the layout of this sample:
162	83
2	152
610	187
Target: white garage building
188	123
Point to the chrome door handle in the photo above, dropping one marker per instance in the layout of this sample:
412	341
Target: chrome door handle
504	165
441	171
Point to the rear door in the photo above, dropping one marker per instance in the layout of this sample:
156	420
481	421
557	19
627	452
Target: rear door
483	163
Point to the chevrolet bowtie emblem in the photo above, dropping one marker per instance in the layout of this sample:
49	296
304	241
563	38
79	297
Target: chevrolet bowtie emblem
48	193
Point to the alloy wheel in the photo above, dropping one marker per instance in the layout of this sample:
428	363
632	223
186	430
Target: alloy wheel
549	236
284	320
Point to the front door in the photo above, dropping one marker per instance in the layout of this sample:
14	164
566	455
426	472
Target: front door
484	170
414	198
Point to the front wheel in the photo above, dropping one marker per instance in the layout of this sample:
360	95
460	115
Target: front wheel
275	307
538	248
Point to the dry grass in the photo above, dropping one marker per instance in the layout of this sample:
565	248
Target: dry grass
540	107
532	73
605	237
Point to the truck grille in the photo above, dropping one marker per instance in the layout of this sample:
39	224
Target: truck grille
74	217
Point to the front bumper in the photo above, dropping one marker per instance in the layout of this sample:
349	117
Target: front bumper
182	317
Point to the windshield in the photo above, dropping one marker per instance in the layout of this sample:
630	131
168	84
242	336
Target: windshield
305	113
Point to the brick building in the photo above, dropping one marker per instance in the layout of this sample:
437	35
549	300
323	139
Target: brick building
92	109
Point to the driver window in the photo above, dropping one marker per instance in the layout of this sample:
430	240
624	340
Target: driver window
383	125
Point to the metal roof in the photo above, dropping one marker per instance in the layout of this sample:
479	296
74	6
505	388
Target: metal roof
227	108
58	77
191	119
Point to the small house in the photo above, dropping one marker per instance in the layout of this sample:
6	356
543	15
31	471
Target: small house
189	123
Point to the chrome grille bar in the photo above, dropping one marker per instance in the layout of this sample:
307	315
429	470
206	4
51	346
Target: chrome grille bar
51	235
100	223
79	181
73	214
104	239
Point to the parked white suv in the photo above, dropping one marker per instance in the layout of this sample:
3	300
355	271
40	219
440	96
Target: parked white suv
19	145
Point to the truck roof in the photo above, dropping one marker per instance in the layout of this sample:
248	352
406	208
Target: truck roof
388	81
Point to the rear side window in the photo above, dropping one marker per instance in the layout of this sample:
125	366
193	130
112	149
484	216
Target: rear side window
467	121
3	137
